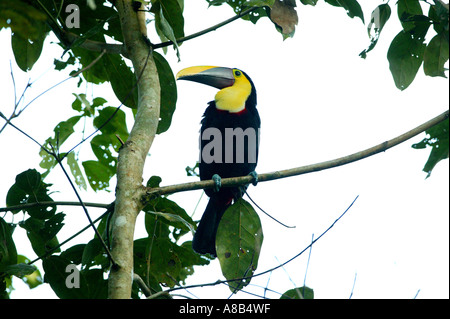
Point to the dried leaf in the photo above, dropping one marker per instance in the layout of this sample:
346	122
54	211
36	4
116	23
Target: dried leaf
284	16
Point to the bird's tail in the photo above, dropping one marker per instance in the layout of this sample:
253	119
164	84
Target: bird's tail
204	241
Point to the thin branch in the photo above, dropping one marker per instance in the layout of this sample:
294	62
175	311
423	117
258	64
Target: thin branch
353	287
268	215
85	209
269	270
307	266
68	38
44	204
50	251
237	181
138	280
90	65
200	33
27	135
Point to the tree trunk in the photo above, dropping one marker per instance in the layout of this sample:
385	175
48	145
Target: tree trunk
133	154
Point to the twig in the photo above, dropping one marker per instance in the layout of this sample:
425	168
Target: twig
269	270
353	287
85	209
68	38
90	65
307	266
49	252
268	215
237	181
57	203
200	33
138	280
8	122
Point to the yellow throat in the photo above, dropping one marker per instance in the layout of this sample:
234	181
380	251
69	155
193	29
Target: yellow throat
233	98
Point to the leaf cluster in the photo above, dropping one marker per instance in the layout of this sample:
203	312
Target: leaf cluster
408	49
41	226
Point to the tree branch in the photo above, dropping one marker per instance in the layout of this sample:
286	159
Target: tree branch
133	153
237	181
200	33
57	203
68	38
268	270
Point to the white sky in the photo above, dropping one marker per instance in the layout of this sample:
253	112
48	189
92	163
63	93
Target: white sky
318	100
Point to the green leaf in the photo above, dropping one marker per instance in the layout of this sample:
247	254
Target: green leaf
94	255
155	227
238	243
15	196
58	275
299	293
64	129
351	6
8	252
111	120
103	146
406	9
154	181
76	171
164	263
81	104
438	140
122	79
29	181
188	259
19	270
378	19
47	160
169	21
29	31
61	65
309	2
29	188
96	73
27	52
405	55
97	285
23	19
33	279
98	174
439	14
74	254
173	214
168	92
239	5
435	56
42	234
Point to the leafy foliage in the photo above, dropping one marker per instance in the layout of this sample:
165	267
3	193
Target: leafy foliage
438	140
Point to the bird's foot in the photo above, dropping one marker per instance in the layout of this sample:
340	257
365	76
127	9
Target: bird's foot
217	182
255	177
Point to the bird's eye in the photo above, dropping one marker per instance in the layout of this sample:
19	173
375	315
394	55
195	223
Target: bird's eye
237	73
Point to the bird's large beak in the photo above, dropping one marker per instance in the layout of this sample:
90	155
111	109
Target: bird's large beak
218	77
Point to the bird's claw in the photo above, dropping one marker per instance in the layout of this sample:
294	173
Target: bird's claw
217	182
255	178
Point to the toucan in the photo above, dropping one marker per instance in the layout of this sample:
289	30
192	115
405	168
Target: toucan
229	143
